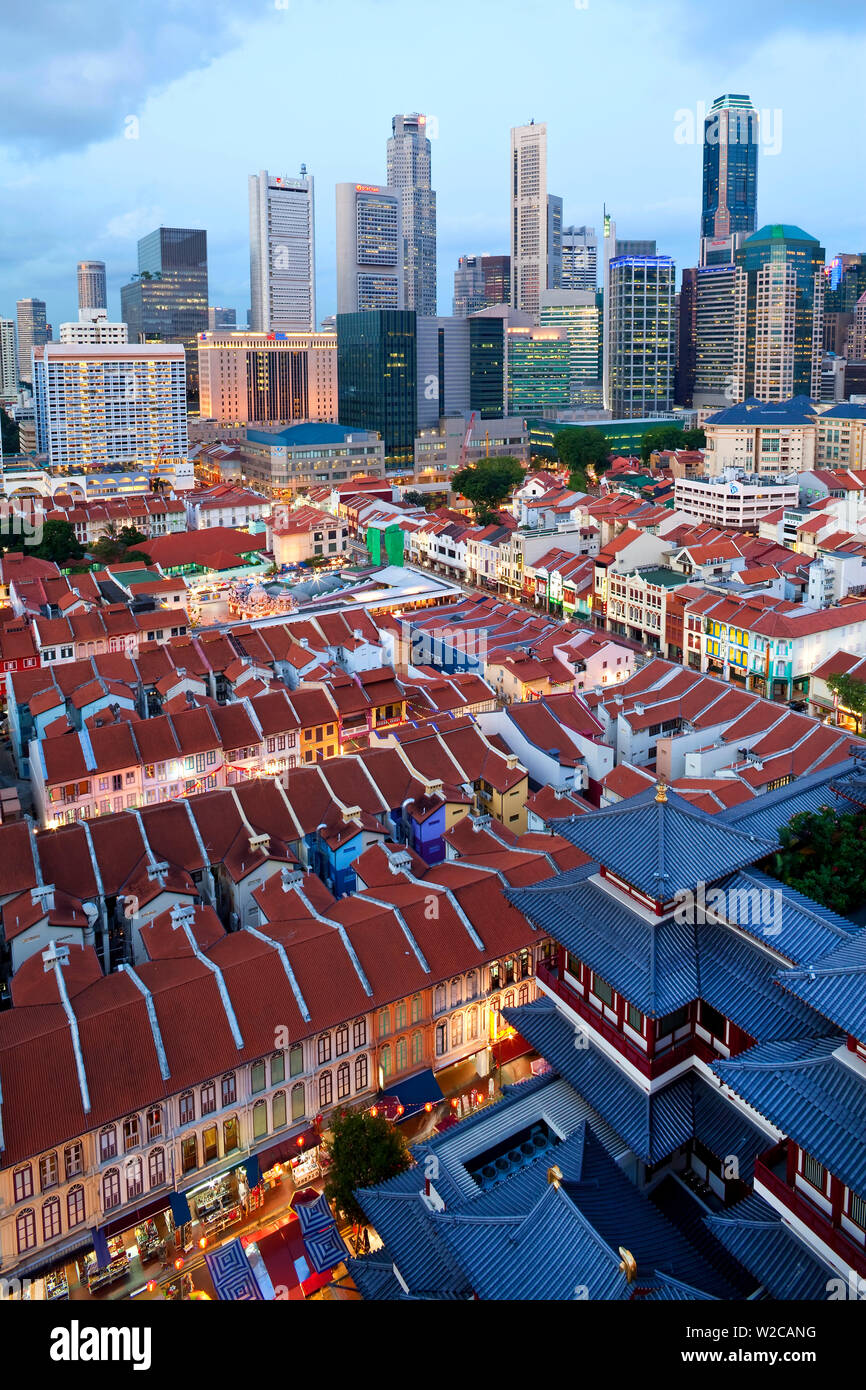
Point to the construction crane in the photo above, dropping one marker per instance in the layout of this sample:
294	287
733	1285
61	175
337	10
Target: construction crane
467	436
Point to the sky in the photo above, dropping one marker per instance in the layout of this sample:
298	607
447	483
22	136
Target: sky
120	117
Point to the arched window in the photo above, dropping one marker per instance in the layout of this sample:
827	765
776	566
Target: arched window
257	1077
278	1109
323	1048
299	1102
107	1143
472	985
362	1072
186	1108
523	994
344	1083
231	1134
296	1059
326	1089
385	1060
441	1039
278	1068
509	999
384	1022
73	1160
359	1033
25	1229
472	1024
23	1182
456	1030
156	1168
342	1040
440	999
456	993
51	1218
417	1008
48	1172
154	1122
131	1134
260	1119
401	1054
75	1210
134	1179
229	1089
400	1015
111	1189
417	1047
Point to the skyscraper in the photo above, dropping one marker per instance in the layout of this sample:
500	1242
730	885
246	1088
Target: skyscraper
480	282
218	318
408	170
273	377
32	333
539	371
529	215
730	196
684	381
8	365
718	290
91	285
579	258
553	279
575	312
468	286
166	302
642	290
442	356
282	253
780	313
376	378
370	271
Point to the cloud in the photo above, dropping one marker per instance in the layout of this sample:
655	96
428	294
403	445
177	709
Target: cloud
129	226
80	70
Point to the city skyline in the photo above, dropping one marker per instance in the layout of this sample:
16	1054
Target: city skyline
135	148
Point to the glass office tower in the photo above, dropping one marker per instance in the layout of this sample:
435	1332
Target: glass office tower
730	198
487	366
166	302
376	379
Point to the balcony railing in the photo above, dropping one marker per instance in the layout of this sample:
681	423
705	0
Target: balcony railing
651	1065
767	1174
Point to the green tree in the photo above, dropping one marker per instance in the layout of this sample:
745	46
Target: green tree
487	483
850	693
580	450
59	543
365	1150
129	535
694	439
9	435
823	855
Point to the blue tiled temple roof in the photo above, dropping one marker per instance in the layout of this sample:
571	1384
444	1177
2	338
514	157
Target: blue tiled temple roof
806	930
814	1097
757	1237
835	985
663	847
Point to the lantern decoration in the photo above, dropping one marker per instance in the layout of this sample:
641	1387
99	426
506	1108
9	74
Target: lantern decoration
179	1262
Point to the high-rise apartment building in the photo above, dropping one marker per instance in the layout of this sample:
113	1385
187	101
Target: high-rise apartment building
282	253
92	292
166	302
529	215
111	406
376	377
554	243
780	310
730	191
408	170
32	333
579	258
275	377
370	269
718	292
8	363
92	326
642	292
575	312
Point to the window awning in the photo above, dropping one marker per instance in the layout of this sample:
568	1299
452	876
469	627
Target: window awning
413	1094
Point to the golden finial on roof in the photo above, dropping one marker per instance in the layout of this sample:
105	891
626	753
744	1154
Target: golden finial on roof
661	792
554	1175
